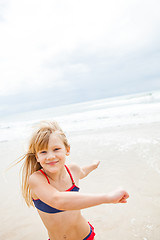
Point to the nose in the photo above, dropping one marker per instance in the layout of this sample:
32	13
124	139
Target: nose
50	156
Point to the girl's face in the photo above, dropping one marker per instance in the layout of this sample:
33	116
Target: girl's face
55	155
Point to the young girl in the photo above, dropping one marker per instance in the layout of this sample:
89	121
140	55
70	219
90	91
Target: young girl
52	186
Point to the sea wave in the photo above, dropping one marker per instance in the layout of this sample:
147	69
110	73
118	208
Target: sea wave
98	114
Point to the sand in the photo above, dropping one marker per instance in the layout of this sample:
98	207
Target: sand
130	157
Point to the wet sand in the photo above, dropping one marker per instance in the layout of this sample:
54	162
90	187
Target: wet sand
130	157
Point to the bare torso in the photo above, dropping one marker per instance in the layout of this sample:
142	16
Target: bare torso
68	225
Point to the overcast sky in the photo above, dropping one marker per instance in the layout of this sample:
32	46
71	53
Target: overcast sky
66	51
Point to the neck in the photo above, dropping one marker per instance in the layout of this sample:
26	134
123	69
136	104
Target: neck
57	175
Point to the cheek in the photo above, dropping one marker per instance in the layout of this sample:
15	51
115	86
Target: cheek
39	158
61	155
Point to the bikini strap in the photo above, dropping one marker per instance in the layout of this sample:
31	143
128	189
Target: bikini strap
44	175
67	171
70	175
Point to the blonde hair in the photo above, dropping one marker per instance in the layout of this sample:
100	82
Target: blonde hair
38	141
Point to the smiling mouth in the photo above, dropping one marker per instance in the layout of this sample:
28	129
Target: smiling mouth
52	163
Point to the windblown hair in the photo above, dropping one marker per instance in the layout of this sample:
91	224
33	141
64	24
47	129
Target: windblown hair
38	141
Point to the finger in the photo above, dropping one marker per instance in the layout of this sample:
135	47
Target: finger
126	195
98	163
123	201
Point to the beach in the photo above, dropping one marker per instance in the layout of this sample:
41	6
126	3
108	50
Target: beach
123	133
130	158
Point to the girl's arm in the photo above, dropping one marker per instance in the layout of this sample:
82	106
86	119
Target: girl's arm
87	169
71	200
77	201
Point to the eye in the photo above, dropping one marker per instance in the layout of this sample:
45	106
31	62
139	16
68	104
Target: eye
43	152
56	149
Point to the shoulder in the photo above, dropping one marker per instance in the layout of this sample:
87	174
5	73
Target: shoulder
74	168
34	178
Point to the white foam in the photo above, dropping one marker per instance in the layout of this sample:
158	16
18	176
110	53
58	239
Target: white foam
105	113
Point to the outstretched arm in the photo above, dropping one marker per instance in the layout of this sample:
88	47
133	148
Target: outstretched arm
72	200
87	169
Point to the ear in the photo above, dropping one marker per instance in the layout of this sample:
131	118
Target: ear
67	151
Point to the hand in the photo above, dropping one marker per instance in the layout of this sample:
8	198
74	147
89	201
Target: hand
118	196
96	164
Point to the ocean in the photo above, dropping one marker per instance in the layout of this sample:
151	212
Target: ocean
91	115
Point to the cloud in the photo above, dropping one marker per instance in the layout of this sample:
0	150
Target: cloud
77	48
3	7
